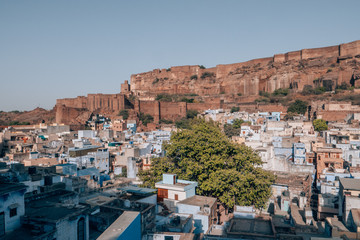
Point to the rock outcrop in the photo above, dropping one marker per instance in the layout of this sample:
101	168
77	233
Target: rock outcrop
223	86
328	66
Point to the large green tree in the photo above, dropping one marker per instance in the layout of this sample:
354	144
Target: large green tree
298	107
223	169
320	125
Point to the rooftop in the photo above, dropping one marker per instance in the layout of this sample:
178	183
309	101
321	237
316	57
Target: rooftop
199	201
119	226
350	183
253	227
11	187
330	150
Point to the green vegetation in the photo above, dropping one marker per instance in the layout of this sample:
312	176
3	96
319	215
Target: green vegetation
281	92
183	123
234	109
192	94
194	77
264	94
18	123
233	129
223	169
145	118
222	92
320	125
239	94
298	107
188	100
262	100
165	121
124	113
163	97
168	70
202	67
156	81
230	130
191	114
343	86
207	75
15	111
309	90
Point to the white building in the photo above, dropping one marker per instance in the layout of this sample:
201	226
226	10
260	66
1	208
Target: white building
171	190
12	206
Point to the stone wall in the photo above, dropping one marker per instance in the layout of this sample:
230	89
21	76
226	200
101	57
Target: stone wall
293	69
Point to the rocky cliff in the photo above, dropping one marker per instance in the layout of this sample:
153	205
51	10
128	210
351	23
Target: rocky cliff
328	67
223	86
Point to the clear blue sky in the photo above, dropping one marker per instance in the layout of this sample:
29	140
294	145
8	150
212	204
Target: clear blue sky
65	48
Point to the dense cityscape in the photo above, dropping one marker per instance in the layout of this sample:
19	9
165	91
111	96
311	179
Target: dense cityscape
213	143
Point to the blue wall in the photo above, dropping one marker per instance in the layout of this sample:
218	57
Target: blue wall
133	231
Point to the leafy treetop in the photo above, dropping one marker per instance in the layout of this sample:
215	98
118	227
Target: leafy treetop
298	107
320	125
222	168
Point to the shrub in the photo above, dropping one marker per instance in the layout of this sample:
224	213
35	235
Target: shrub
145	118
164	97
320	125
343	86
234	109
165	121
264	100
308	90
281	91
202	67
194	77
264	94
18	123
191	114
230	131
298	107
222	92
156	80
124	113
184	99
319	90
207	74
168	70
239	94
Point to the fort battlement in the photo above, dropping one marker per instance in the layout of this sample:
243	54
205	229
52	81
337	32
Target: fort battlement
222	86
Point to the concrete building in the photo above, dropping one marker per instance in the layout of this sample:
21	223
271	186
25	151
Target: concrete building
327	158
203	210
299	153
172	190
12	206
349	193
127	226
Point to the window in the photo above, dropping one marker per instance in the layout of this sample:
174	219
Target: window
13	212
176	197
81	229
2	224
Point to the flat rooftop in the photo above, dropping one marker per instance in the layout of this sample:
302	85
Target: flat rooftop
199	201
119	226
254	227
11	187
350	183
